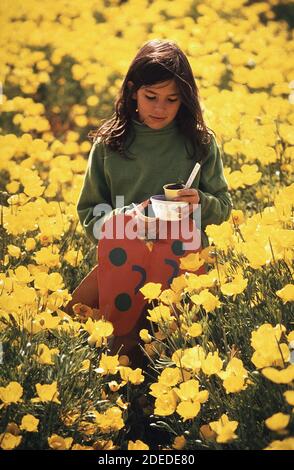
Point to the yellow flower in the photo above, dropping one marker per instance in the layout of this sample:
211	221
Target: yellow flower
203	281
55	282
158	389
41	281
168	297
92	100
125	372
178	356
273	355
285	444
12	393
59	443
108	364
103	328
136	377
34	189
287	293
170	376
265	334
179	442
256	253
45	354
268	349
95	339
44	239
290	337
212	364
48	256
104	445
47	393
277	421
9	441
73	257
81	121
250	174
208	254
48	321
42	322
89	325
237	286
70	418
137	445
111	420
188	390
194	330
193	358
284	376
234	376
234	383
121	403
160	314
237	217
179	283
30	244
12	187
81	447
235	366
221	234
98	330
166	404
29	423
209	301
114	386
188	409
151	291
145	336
85	365
225	429
87	428
289	396
13	251
23	275
191	262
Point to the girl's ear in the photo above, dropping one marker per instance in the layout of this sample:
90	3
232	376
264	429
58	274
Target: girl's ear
130	85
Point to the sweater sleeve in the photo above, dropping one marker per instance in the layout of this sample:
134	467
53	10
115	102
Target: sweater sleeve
94	192
215	200
94	205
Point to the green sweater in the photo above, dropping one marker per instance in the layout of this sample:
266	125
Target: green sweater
159	157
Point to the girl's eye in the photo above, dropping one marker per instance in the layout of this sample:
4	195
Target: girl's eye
153	98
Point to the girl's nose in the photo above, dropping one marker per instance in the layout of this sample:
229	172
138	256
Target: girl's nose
159	107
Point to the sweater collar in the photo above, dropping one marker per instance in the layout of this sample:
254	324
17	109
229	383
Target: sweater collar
141	128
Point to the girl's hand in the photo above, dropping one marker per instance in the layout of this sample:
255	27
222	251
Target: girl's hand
191	196
147	227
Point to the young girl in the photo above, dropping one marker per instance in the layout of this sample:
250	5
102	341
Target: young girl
155	136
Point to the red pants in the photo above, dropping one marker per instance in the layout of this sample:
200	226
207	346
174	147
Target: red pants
124	266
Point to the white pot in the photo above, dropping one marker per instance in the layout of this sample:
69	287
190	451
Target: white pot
169	210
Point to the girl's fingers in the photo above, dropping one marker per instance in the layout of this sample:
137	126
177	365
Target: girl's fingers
190	200
187	192
179	198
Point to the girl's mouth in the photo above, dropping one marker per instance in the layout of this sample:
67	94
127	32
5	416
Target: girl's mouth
157	118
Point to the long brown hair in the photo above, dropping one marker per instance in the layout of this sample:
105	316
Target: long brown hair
157	61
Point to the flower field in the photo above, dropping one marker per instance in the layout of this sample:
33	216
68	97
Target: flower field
220	348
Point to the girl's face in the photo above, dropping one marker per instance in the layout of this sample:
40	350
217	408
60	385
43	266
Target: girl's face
158	104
